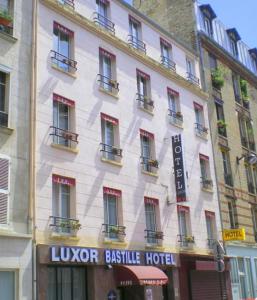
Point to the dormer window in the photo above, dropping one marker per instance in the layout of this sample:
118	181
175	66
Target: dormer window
234	37
253	53
208	15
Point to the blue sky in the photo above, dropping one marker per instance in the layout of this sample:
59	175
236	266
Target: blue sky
239	14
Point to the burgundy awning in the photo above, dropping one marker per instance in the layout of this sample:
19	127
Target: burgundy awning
139	275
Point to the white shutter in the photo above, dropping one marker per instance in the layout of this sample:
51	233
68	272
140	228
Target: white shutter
4	189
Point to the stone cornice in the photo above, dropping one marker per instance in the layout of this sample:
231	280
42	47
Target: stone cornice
113	40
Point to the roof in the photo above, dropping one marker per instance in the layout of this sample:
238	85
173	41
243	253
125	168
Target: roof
208	8
234	32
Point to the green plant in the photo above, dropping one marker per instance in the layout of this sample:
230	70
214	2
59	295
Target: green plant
75	225
217	77
244	89
113	229
5	15
221	124
189	239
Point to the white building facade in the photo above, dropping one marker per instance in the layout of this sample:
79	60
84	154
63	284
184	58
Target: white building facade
117	100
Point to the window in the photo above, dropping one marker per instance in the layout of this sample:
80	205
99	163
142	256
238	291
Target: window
110	138
205	172
7	285
236	87
62	52
107	69
211	228
166	55
207	25
249	177
148	160
221	124
190	65
102	15
6	21
64	205
176	117
135	36
185	237
63	122
212	62
153	236
112	214
233	47
65	283
232	213
4	189
4	89
200	128
246	132
144	91
227	168
250	134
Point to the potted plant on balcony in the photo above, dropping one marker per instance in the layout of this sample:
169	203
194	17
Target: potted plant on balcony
217	77
221	125
114	229
153	163
75	225
178	114
5	18
67	135
189	239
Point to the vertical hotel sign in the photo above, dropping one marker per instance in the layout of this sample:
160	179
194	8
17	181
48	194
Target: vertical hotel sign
179	168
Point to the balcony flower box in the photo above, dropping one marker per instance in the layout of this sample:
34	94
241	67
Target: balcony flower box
67	136
153	163
189	239
217	77
5	18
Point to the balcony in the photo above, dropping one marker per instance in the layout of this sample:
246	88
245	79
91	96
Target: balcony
251	188
207	184
3	119
108	84
149	165
222	127
168	63
228	178
110	152
68	3
216	93
64	137
62	62
210	243
64	226
114	232
201	130
136	43
244	141
246	104
193	79
176	118
153	237
186	240
104	22
252	146
145	102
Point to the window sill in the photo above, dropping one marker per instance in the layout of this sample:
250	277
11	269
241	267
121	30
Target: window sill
120	243
176	125
61	147
111	162
154	247
64	236
6	130
63	71
150	174
8	37
205	138
147	111
8	232
210	191
115	95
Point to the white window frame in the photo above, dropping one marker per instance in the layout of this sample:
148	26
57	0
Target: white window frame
7	71
7	192
57	197
16	280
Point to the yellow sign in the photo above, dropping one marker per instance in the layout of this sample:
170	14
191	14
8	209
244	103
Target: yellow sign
234	234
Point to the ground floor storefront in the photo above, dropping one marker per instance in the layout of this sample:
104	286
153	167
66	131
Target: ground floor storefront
243	272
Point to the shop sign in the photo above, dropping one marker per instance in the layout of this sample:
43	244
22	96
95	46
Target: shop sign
234	234
179	168
110	256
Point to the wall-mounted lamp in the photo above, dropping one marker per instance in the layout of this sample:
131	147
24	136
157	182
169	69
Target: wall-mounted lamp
251	159
108	267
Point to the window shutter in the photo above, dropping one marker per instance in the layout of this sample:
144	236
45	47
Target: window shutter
4	189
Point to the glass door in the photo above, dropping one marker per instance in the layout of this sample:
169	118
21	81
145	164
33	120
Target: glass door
109	140
146	152
62	46
107	72
61	122
110	214
150	219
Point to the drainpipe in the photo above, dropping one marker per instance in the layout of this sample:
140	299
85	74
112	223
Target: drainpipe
32	210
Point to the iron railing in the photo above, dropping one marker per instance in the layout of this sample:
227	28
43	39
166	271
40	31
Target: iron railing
110	152
193	79
153	236
104	22
216	93
210	243
64	137
3	119
114	231
136	43
68	3
149	164
201	130
246	104
228	178
176	117
207	183
186	240
168	63
252	145
63	62
64	225
145	102
108	84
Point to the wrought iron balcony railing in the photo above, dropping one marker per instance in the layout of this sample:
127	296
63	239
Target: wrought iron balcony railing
3	119
228	178
251	188
64	137
104	22
246	104
201	130
207	183
216	93
108	84
186	240
145	102
68	3
110	152
63	62
136	43
193	79
114	231
210	243
176	117
64	225
149	164
153	236
252	145
6	29
168	63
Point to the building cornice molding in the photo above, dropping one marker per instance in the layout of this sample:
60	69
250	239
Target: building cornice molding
113	40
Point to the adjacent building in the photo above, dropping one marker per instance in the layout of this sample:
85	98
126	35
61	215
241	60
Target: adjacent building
15	218
230	76
126	203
